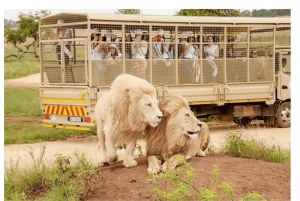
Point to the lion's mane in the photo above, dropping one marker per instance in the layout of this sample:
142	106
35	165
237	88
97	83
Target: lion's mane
120	102
166	139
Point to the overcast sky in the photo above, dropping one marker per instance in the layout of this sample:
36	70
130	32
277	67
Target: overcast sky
153	7
12	14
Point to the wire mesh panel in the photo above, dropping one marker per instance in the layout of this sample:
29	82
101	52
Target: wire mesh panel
63	50
261	50
163	55
213	54
236	54
189	54
136	50
283	37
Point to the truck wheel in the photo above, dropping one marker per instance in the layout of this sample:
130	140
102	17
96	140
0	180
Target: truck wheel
283	116
245	121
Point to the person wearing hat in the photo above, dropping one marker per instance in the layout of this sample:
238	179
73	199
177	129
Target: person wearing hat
139	46
158	47
139	49
112	63
62	33
113	53
97	51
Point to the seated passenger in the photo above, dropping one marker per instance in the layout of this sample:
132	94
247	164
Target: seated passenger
211	52
256	68
283	64
230	46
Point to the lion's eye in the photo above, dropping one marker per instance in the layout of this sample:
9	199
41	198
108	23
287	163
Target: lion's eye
149	104
187	115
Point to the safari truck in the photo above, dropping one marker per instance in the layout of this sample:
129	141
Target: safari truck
81	55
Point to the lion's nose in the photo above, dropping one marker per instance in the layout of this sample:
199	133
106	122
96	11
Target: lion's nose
159	117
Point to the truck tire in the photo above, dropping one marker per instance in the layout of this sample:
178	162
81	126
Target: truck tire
283	116
244	121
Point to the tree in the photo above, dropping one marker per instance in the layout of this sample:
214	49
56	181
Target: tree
246	13
271	12
28	28
209	12
128	11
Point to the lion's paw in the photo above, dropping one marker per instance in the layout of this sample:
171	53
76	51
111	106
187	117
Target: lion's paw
168	166
112	159
129	163
154	169
201	153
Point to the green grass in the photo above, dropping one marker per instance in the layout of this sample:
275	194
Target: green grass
15	68
21	101
21	133
41	182
23	121
237	145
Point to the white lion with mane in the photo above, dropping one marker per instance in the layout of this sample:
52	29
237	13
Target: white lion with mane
178	134
122	114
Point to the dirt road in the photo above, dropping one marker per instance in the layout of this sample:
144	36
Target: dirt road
88	146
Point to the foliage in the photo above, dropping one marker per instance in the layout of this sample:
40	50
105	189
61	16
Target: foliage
271	12
28	28
24	132
128	11
10	23
22	122
209	12
19	68
39	182
237	146
178	185
21	101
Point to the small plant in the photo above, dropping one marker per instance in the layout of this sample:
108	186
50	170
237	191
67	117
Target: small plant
237	145
178	185
62	181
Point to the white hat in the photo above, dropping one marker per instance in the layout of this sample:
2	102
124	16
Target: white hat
160	32
138	31
112	45
60	21
190	35
96	31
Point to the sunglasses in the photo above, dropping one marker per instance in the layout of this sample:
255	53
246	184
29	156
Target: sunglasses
254	53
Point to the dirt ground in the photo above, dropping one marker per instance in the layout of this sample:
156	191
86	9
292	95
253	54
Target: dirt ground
119	183
247	175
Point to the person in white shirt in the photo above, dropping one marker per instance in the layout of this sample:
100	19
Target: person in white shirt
158	52
97	54
211	52
189	52
113	54
161	64
139	49
62	33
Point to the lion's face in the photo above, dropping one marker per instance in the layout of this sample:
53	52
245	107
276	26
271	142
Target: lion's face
150	113
187	122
